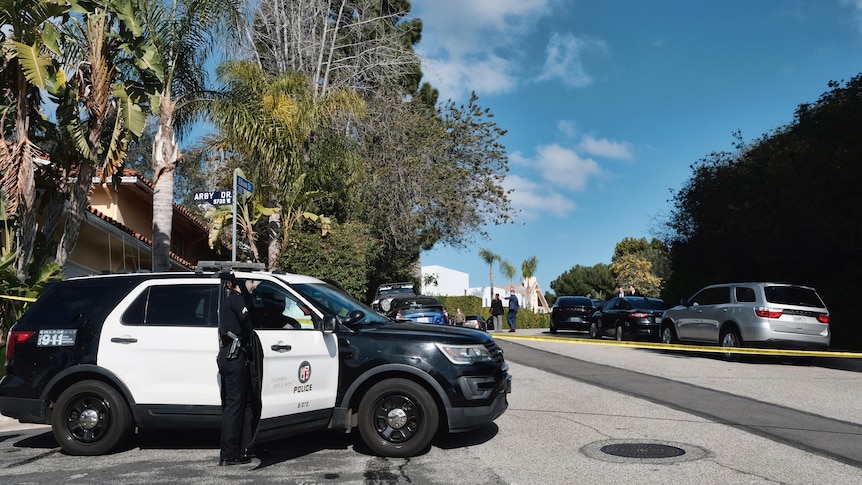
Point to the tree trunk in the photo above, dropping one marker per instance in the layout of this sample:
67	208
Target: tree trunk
77	211
166	152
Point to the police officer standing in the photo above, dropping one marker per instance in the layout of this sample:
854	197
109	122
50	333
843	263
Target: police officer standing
234	336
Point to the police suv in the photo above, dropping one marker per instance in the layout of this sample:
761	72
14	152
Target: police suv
100	357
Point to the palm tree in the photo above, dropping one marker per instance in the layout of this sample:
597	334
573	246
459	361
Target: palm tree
23	24
489	258
528	270
185	32
273	118
508	271
98	78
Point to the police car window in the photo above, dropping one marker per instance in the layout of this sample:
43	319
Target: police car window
174	306
273	307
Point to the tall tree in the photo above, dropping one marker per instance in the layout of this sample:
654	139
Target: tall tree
489	258
185	32
528	269
508	270
98	78
23	23
272	118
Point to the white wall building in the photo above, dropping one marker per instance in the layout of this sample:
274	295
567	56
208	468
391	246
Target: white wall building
443	281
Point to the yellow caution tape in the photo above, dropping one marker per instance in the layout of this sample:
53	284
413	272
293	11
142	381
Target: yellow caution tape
18	298
691	348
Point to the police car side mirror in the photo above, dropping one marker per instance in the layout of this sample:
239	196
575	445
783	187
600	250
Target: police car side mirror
354	317
330	323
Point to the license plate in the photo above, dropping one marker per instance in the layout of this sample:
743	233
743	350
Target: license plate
576	320
424	319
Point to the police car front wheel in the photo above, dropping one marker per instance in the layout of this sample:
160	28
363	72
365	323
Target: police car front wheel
398	418
91	418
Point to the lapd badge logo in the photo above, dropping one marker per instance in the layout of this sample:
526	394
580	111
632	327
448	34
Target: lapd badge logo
304	372
304	375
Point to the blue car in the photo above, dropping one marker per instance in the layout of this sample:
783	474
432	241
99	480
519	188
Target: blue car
420	309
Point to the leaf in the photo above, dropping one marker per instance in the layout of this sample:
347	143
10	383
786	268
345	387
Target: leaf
133	116
35	66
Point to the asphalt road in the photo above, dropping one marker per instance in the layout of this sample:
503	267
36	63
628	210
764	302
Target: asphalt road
576	407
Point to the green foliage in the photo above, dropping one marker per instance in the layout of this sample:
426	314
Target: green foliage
785	207
591	281
342	256
469	305
642	263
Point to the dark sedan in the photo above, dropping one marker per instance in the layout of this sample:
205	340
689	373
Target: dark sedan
572	313
628	317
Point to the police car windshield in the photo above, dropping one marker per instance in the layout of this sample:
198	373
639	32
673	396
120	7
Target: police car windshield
334	301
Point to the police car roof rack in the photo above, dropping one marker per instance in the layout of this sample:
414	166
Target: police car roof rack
228	265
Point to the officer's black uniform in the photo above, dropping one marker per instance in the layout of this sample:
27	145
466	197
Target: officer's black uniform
237	415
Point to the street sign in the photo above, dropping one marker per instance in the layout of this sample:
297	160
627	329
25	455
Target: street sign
215	197
244	185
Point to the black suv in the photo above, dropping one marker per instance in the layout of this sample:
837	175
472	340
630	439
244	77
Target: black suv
97	357
387	291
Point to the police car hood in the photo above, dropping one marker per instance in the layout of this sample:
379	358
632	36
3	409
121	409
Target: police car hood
426	333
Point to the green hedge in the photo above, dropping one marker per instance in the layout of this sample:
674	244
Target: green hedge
471	305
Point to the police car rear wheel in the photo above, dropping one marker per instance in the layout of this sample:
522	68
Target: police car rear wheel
398	418
90	418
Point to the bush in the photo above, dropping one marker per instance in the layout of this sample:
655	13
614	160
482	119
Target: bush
472	305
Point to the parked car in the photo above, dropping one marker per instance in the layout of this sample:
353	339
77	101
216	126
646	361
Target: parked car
420	309
99	357
387	291
750	314
572	313
628	317
476	321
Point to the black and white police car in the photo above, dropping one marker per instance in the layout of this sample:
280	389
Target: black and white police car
100	357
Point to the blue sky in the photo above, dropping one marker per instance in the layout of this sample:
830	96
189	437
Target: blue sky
608	103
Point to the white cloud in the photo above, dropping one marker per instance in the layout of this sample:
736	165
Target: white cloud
567	128
464	42
492	75
564	56
532	200
857	6
564	167
606	148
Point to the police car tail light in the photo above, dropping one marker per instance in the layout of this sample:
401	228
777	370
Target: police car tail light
823	318
15	337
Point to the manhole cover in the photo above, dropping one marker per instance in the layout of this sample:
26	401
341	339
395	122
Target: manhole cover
642	450
639	451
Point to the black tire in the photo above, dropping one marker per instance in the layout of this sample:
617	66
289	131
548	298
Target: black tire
398	418
553	329
594	330
668	334
730	338
620	335
91	418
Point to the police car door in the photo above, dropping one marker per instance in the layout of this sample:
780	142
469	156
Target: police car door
299	368
162	341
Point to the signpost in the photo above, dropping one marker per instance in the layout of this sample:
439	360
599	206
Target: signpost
243	185
215	197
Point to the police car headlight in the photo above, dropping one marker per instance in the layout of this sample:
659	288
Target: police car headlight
464	354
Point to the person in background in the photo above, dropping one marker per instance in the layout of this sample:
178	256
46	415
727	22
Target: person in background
514	306
459	318
497	313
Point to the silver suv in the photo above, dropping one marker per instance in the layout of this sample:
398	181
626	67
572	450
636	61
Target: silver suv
750	314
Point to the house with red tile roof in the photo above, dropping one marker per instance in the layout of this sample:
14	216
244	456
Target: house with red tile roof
117	234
